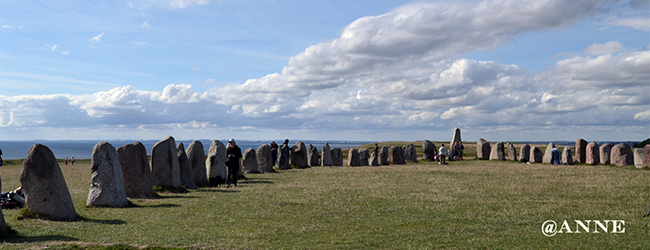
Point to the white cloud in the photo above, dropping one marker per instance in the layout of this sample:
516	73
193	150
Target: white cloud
7	26
195	69
65	53
640	23
145	25
180	4
54	47
139	43
643	116
96	39
603	48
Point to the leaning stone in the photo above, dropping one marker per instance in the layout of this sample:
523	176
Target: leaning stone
284	152
249	162
264	159
567	157
337	157
299	155
327	155
455	138
46	192
196	156
646	156
638	157
592	155
374	159
498	152
3	224
581	147
536	155
429	150
604	152
353	158
622	155
138	182
547	153
409	154
187	177
165	169
363	157
312	156
512	152
107	181
483	149
383	156
216	163
395	155
524	153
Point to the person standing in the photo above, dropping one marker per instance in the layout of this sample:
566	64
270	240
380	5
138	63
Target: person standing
555	156
456	151
72	161
442	154
461	148
1	158
234	153
274	152
66	160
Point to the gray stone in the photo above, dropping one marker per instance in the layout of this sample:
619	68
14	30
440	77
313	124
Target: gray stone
547	153
383	156
215	164
605	151
483	149
299	155
363	157
395	155
524	153
581	147
429	150
312	156
187	177
536	155
498	152
284	152
264	159
327	155
353	158
196	156
592	155
46	192
638	157
567	157
107	181
646	156
374	159
138	182
409	153
337	157
249	161
455	138
622	155
3	224
512	152
165	169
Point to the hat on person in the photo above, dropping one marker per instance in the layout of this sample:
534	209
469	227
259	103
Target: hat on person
231	140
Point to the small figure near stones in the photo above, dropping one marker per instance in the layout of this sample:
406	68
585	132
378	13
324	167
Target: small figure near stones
0	157
66	161
234	153
274	152
555	156
460	150
442	153
72	161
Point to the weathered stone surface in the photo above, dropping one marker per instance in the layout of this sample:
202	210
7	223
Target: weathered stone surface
638	157
107	181
249	161
547	153
327	155
215	164
299	155
165	169
621	155
196	156
374	159
455	138
581	147
536	155
567	157
604	152
512	152
3	223
353	158
429	150
592	155
524	153
46	192
284	152
409	153
498	152
646	156
395	155
312	156
383	156
483	149
363	157
187	177
264	159
138	182
337	157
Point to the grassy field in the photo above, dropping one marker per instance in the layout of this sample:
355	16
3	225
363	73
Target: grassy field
469	204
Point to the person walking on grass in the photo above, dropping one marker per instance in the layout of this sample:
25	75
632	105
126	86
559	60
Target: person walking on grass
442	154
460	151
234	153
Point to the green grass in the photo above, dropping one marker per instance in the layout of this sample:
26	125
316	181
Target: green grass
469	204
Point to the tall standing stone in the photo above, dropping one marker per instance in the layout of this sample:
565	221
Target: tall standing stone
264	159
107	181
429	150
299	155
196	156
363	157
383	156
622	155
512	152
605	151
646	156
536	155
46	192
524	153
567	157
327	155
138	182
312	156
215	164
483	149
581	147
638	157
187	177
353	158
284	152
548	156
409	153
374	159
455	138
165	169
592	155
249	161
498	152
395	155
337	157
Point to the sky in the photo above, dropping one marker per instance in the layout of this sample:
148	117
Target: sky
380	70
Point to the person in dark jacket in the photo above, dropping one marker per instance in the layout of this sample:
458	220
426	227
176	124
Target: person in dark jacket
234	153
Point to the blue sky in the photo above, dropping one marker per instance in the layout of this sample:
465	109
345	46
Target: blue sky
330	70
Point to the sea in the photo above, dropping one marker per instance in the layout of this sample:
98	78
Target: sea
83	149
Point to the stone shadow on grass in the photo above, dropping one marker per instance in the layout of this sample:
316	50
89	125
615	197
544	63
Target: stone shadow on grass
256	182
157	205
107	222
32	239
219	190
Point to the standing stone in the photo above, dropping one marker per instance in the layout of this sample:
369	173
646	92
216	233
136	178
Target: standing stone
3	224
337	157
107	182
312	156
395	155
196	156
512	152
363	157
429	150
622	155
483	149
409	154
264	159
455	138
498	152
605	151
284	152
548	156
46	192
187	177
567	157
138	182
299	155
249	162
383	156
524	153
638	157
353	158
327	155
592	155
646	156
216	163
374	159
536	155
165	169
581	147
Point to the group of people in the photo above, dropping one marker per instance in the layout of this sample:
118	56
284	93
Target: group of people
456	153
71	161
